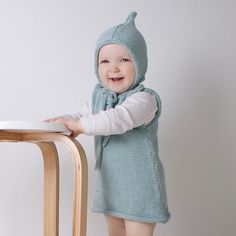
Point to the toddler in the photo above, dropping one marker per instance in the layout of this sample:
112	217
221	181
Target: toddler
130	182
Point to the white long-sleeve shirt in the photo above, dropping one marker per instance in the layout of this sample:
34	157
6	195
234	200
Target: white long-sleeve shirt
136	110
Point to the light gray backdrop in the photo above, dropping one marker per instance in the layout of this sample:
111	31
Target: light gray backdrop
46	69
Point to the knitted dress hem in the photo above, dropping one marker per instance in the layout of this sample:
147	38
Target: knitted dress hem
134	218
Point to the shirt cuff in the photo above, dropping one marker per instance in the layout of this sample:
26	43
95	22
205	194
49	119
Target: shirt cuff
86	125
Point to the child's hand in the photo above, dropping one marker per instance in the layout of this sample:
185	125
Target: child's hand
73	125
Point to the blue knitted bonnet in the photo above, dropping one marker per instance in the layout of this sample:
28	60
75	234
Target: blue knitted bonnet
126	35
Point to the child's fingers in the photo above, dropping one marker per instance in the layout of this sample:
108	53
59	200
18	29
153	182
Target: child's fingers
61	121
69	123
48	120
56	120
73	134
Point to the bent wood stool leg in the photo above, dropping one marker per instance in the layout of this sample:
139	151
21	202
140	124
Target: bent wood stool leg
80	186
80	176
51	188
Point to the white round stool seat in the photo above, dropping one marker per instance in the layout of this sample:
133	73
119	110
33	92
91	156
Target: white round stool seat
31	126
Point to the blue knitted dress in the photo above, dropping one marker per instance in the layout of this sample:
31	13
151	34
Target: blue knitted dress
130	181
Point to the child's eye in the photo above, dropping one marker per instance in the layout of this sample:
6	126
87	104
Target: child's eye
125	59
104	61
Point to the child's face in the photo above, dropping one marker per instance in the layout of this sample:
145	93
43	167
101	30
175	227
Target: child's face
115	68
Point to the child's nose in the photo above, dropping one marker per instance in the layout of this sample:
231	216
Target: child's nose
114	69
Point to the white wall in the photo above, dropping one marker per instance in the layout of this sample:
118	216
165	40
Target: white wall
46	68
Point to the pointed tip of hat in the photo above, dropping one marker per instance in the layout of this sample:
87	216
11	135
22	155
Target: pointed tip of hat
131	17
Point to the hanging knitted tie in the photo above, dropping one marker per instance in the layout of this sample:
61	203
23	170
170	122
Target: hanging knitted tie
111	100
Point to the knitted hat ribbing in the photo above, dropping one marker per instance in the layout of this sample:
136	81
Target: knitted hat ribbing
127	35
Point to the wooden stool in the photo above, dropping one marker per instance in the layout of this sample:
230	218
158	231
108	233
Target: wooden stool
44	135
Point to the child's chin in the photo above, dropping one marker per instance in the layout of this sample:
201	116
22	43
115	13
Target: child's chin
118	91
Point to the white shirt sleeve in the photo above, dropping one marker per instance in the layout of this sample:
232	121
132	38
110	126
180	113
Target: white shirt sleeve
136	110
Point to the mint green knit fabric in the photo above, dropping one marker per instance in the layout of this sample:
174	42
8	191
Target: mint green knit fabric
130	179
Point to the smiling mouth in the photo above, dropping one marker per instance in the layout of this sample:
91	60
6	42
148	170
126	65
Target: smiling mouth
117	78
